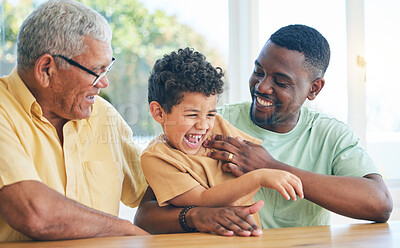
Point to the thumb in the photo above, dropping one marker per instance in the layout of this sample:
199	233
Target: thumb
252	209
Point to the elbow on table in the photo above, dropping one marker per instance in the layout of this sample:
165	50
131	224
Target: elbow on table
383	209
384	216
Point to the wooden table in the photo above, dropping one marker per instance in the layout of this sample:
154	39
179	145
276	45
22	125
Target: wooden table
357	235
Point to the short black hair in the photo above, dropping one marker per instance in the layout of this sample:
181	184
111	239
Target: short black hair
179	72
307	41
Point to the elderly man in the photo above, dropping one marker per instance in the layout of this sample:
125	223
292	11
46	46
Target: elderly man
67	157
335	171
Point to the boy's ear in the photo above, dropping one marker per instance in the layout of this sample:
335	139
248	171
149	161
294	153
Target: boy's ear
157	112
315	88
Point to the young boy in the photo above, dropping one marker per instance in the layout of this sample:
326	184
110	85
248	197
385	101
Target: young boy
182	92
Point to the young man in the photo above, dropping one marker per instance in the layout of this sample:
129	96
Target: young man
67	157
183	90
324	153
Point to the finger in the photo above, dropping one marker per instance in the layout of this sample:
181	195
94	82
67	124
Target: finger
246	221
235	170
232	168
281	189
234	224
298	186
218	155
300	192
248	142
291	191
215	154
222	139
295	188
219	137
254	208
221	155
221	230
229	156
226	167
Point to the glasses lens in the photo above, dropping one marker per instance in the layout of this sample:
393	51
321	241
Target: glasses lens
108	68
99	77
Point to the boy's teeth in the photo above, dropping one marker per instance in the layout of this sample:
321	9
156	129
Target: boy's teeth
193	138
197	137
264	103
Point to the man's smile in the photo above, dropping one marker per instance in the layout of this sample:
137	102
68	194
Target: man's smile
263	102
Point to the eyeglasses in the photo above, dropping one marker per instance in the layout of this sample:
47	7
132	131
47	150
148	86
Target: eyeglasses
98	76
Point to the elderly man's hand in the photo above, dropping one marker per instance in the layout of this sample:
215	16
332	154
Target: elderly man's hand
225	221
246	156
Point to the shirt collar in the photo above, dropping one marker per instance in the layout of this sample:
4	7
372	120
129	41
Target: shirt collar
23	95
28	102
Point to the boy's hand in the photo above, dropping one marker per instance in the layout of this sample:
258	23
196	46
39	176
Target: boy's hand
284	182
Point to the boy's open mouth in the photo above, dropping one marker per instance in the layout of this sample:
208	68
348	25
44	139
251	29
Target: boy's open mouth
193	140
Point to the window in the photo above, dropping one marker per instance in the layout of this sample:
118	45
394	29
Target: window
383	84
143	31
231	33
332	25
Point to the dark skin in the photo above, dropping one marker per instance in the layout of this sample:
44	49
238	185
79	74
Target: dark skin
226	221
280	80
364	198
279	86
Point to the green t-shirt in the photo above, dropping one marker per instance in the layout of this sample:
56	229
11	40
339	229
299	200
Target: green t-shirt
318	143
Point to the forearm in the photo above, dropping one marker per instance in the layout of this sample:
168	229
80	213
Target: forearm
42	213
360	198
356	197
78	221
229	192
222	221
365	198
221	195
155	219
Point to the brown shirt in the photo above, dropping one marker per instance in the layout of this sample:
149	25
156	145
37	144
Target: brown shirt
171	172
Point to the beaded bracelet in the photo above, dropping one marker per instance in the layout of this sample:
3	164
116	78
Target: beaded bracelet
182	219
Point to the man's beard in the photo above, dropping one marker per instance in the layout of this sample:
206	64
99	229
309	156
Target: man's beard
262	122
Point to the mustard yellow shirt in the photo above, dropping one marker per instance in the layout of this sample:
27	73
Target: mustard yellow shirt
98	164
170	172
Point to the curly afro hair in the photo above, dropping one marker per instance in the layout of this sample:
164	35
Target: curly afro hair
180	72
307	41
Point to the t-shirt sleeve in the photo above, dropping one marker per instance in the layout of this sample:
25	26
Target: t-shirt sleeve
350	158
15	163
165	176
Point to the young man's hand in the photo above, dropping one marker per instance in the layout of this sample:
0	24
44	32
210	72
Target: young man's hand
226	221
241	156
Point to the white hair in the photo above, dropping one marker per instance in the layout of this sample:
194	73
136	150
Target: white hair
58	27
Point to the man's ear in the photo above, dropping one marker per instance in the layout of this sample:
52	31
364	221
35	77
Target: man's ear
44	68
157	112
315	88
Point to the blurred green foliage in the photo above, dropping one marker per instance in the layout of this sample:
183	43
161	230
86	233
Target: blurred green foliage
139	39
